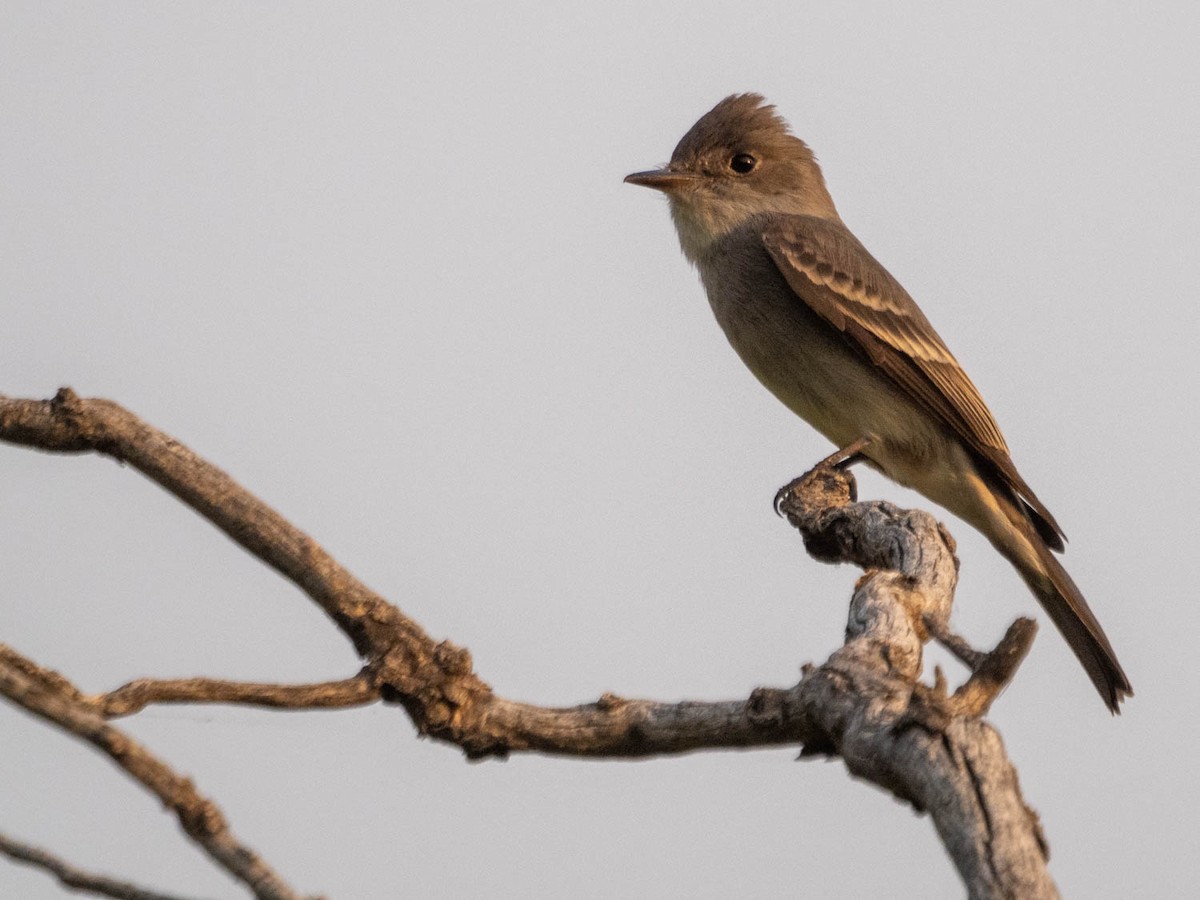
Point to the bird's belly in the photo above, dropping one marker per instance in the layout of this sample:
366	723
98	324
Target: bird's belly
813	372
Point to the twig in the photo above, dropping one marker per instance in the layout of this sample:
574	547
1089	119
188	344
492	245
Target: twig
72	877
136	695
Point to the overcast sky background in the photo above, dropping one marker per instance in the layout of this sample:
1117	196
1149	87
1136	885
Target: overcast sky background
377	262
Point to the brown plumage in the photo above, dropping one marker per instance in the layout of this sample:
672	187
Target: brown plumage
831	333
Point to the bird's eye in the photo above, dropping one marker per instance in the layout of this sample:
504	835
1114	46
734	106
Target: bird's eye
743	163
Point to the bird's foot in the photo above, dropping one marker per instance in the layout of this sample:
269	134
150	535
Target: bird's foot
836	468
846	456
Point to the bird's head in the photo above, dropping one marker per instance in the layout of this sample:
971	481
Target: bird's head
738	161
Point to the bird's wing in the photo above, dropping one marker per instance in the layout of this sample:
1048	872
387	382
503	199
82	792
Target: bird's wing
840	281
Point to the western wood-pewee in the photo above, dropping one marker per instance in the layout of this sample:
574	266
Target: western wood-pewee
836	338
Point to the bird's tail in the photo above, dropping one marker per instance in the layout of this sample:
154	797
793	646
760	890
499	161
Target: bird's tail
1064	603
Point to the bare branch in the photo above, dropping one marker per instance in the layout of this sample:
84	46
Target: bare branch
77	879
70	424
865	703
41	692
432	680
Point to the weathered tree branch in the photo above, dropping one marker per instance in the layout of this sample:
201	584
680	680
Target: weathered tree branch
865	704
889	728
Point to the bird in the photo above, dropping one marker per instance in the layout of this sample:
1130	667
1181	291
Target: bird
828	330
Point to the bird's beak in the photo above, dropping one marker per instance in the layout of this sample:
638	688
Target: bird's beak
662	179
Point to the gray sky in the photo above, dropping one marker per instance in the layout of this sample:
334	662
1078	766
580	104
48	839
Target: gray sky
378	263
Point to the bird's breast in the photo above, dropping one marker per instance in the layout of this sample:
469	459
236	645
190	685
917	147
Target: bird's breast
808	365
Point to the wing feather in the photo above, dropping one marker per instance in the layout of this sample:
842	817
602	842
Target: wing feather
831	272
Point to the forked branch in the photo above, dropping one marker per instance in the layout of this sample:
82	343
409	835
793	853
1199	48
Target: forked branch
865	704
